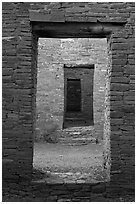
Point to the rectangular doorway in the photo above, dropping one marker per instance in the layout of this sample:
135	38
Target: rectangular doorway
65	95
73	95
78	94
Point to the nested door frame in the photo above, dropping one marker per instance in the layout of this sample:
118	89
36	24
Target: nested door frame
77	30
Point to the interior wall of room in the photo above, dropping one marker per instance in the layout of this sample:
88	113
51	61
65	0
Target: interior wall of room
52	55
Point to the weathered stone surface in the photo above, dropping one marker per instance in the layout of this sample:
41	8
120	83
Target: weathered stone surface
119	87
124	80
16	24
99	188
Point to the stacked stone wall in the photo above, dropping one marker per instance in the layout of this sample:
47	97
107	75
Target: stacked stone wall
17	89
18	83
50	88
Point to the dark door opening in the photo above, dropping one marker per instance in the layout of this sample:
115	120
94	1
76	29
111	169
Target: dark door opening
73	95
78	94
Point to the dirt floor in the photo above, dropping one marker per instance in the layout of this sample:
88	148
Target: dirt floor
69	164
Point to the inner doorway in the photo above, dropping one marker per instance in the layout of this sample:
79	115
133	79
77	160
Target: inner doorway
80	78
73	95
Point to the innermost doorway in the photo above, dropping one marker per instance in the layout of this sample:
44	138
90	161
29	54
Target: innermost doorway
73	95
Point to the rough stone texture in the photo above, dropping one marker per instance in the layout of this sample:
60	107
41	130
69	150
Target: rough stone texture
19	81
53	54
41	192
50	88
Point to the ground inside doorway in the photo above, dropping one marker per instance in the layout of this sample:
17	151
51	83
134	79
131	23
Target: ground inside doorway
69	164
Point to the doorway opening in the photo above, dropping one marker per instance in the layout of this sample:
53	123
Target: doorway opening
70	108
78	95
73	95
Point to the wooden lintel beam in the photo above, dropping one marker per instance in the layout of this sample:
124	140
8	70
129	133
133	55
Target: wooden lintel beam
85	66
73	29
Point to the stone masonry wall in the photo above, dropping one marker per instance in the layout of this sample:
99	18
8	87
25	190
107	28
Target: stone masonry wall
50	88
17	90
53	54
117	21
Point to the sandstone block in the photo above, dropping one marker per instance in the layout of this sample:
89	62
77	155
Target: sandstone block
120	46
119	61
119	87
120	80
116	114
116	121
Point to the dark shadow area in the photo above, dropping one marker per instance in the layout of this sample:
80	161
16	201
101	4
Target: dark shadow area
43	192
73	29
